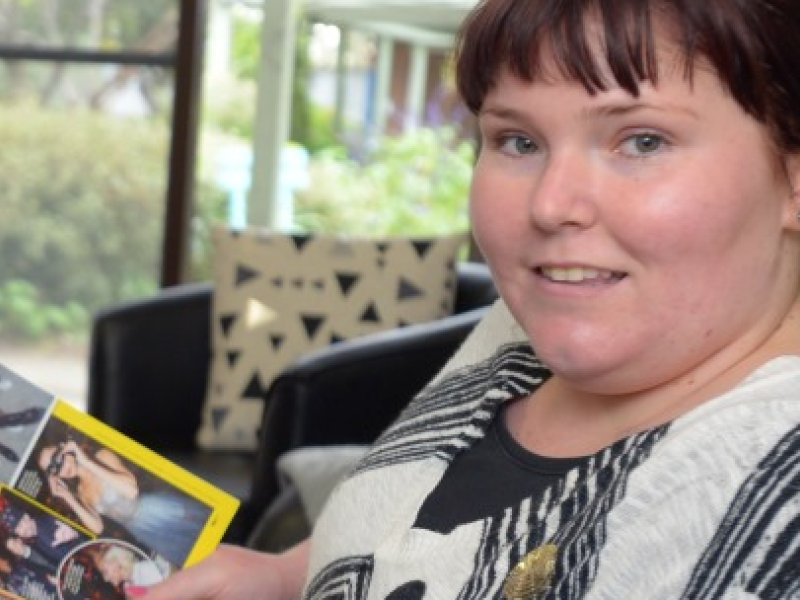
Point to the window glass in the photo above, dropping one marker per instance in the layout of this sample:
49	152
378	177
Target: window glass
84	169
119	25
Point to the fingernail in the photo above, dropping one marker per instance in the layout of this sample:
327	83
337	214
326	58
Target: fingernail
136	591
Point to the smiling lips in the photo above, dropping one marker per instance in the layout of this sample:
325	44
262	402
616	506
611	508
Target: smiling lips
579	275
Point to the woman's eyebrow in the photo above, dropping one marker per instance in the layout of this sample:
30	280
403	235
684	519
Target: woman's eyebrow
611	109
501	112
620	109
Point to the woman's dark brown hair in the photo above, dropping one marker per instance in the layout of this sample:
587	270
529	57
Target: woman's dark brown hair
754	46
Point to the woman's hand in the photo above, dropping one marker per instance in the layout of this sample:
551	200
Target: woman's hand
86	515
235	573
17	547
58	488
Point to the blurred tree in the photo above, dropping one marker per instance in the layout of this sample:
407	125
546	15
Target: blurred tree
82	212
85	24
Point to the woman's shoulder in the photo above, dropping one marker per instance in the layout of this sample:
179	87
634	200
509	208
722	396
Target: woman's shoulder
511	371
769	398
752	429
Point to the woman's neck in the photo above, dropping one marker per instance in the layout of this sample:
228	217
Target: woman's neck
563	420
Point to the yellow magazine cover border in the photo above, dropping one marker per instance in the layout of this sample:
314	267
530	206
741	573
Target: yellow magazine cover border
223	505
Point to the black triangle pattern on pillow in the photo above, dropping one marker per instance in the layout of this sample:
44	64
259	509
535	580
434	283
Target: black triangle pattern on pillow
218	416
226	323
277	297
254	390
312	323
347	281
276	341
301	240
245	274
407	290
422	247
370	315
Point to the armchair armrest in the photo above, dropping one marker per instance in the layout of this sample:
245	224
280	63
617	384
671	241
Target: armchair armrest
149	361
350	392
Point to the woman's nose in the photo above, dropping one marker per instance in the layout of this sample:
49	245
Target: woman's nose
564	193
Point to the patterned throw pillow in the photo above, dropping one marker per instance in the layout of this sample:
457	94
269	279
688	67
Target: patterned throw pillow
278	296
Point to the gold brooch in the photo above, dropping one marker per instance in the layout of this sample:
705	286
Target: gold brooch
532	575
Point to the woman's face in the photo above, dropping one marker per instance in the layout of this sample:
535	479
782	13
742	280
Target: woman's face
26	528
55	462
634	238
113	571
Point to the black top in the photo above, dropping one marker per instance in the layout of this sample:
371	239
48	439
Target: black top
484	480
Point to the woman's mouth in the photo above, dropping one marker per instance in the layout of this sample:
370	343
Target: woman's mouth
579	275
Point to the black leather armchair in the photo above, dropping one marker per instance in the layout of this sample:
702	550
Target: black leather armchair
149	362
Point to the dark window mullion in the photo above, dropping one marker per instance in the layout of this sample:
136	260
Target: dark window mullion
183	151
71	55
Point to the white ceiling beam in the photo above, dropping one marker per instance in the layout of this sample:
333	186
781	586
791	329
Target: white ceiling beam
406	33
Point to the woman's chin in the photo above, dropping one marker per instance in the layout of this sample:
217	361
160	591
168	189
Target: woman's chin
592	370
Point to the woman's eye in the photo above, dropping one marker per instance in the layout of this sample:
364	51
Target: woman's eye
518	144
643	144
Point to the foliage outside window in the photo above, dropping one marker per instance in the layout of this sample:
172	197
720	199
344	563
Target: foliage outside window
82	215
414	183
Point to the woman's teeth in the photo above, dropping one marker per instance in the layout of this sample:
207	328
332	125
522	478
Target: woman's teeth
578	274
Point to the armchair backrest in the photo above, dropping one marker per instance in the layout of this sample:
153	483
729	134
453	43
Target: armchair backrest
475	289
148	366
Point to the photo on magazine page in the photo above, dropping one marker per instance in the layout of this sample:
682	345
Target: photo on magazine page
101	489
34	545
23	407
102	569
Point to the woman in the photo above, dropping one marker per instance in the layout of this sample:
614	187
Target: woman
101	487
38	538
635	198
121	567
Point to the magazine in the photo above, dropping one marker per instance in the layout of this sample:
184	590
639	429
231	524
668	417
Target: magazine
86	511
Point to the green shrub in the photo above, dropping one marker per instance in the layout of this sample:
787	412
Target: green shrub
413	184
211	208
230	108
320	135
82	222
23	315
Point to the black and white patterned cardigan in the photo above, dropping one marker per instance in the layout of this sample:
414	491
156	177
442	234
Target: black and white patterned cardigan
707	507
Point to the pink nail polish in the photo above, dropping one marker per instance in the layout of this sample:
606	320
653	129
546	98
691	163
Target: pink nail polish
136	591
